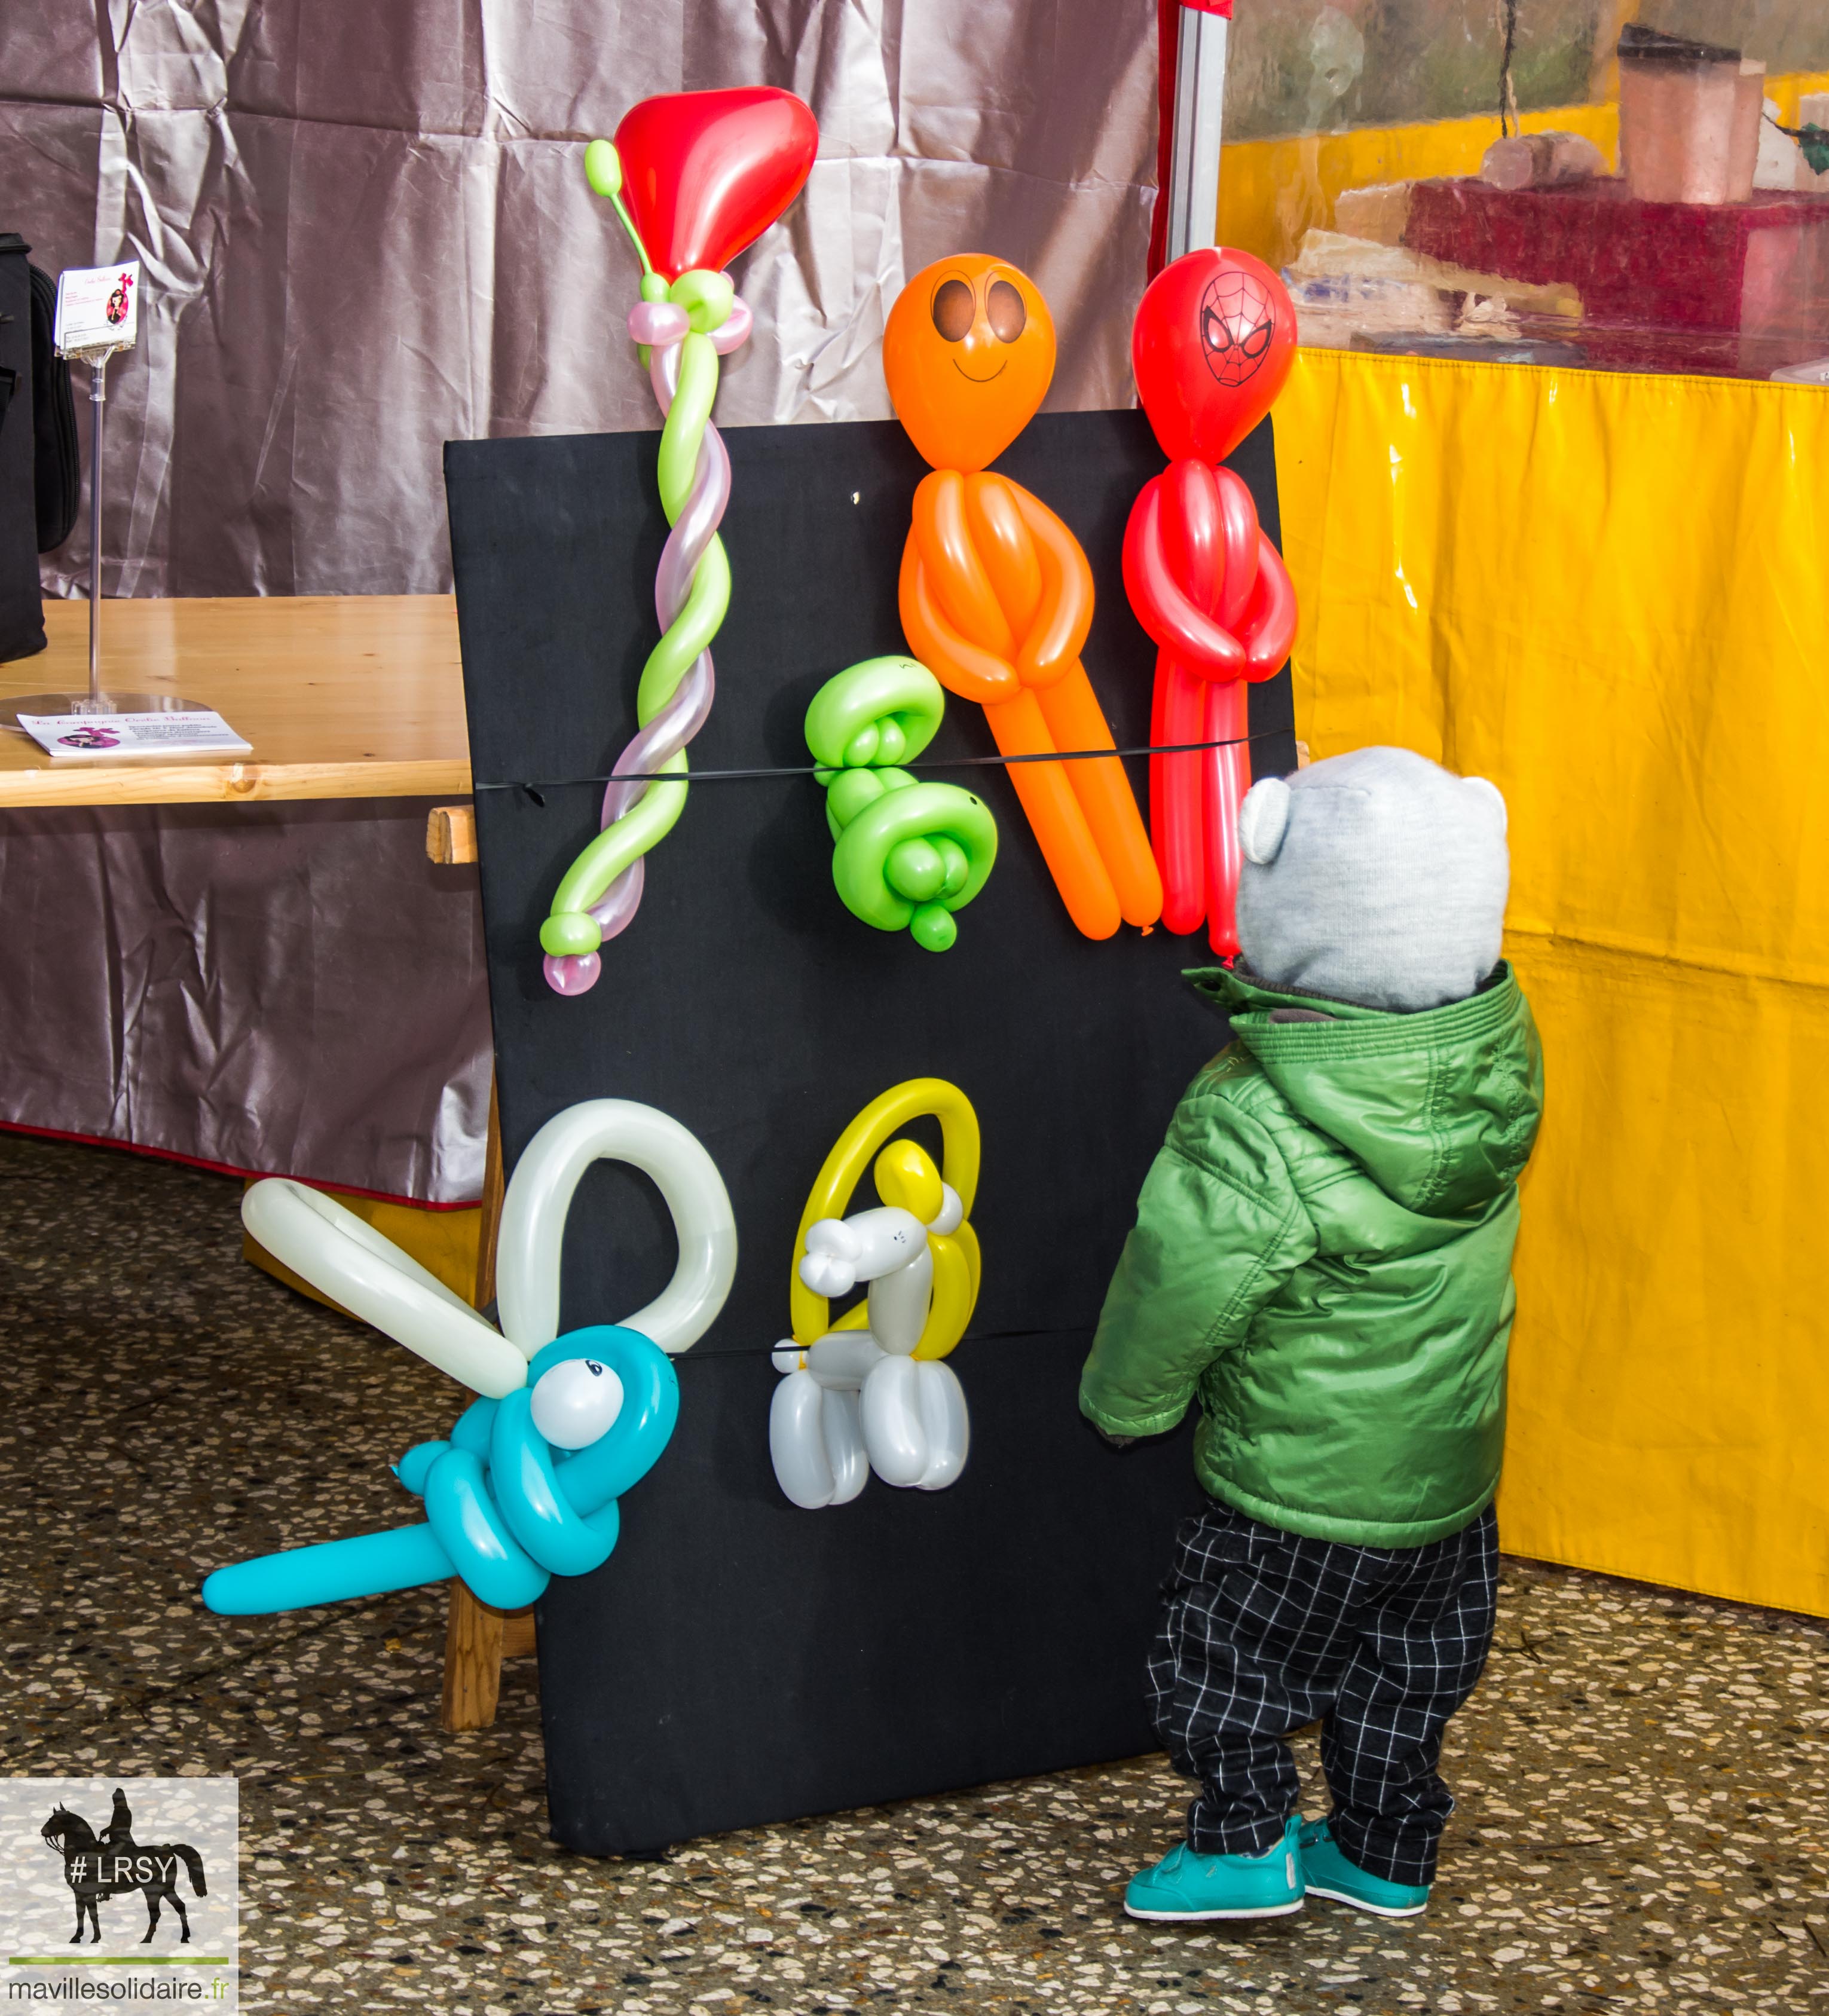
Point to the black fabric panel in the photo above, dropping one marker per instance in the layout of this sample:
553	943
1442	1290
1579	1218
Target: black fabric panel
881	1649
22	617
56	463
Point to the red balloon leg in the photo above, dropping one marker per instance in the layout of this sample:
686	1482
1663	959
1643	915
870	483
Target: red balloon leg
1227	778
1158	711
1177	838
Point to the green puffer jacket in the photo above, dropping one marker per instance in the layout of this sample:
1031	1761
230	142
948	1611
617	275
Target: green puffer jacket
1322	1250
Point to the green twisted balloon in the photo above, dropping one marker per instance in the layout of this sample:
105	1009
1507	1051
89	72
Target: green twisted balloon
682	330
908	854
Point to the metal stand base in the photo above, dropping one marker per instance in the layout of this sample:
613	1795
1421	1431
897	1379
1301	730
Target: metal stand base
94	701
85	703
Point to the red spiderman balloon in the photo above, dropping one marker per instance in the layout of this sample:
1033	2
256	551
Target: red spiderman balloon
1213	342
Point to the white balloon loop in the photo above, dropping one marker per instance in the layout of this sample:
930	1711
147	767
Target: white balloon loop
345	1258
540	1192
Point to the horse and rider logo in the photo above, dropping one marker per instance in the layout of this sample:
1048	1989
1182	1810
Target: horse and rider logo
112	1863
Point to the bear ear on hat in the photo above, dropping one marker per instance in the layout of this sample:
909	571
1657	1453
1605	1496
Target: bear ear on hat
1263	819
1486	789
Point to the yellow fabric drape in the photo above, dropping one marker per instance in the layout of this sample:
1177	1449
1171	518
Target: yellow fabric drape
1610	594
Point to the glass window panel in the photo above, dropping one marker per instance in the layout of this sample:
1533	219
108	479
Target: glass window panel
1648	211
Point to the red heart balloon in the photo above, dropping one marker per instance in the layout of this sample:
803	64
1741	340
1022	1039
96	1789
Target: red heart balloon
1212	344
705	173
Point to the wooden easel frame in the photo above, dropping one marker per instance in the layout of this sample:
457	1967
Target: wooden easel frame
477	1638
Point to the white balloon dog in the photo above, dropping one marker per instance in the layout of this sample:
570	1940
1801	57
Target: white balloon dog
858	1400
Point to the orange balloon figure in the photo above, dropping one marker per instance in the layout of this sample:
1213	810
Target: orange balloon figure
996	595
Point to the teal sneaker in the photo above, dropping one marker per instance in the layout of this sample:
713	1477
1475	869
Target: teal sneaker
1326	1873
1186	1886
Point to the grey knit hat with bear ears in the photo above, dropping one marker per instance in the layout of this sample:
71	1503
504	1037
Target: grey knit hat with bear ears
1377	877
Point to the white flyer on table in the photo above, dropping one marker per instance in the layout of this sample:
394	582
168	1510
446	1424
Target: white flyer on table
98	308
99	737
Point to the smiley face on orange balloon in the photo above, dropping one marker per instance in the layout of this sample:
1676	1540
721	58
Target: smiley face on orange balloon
969	352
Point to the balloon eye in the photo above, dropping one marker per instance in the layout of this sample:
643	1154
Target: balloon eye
576	1402
1003	308
953	311
1214	333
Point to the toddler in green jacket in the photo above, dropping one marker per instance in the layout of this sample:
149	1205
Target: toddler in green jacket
1322	1255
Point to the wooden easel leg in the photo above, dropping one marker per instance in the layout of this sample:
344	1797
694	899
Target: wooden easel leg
493	1186
477	1638
472	1662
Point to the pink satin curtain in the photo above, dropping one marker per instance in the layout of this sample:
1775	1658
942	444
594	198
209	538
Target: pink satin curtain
366	230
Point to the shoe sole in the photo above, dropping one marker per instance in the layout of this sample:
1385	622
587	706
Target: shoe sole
1360	1904
1202	1918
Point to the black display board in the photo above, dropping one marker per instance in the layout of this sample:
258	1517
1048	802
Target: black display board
738	1661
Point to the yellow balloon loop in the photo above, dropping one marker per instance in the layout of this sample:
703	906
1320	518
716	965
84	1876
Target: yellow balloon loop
905	1176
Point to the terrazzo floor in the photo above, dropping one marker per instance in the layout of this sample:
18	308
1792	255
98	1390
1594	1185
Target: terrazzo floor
1642	1776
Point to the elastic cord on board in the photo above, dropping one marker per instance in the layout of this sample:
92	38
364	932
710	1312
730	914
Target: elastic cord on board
970	1337
769	1350
534	788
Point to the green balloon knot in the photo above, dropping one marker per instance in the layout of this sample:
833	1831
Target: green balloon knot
907	853
707	298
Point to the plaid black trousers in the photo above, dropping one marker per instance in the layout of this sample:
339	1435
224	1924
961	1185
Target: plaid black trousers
1262	1632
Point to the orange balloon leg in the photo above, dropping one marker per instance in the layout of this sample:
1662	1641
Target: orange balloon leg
996	598
1228	777
1076	720
1054	813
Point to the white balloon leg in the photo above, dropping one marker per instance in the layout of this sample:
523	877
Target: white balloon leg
797	1443
844	1445
350	1261
946	1423
539	1195
890	1408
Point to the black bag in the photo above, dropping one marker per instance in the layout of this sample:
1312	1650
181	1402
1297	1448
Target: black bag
22	615
57	460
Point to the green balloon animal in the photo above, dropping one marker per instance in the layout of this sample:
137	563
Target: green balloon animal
908	854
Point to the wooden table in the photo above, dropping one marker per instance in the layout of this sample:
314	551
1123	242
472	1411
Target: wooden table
342	695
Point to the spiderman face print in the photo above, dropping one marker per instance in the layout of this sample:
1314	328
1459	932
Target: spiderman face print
1237	322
